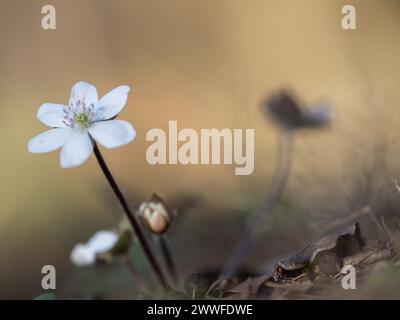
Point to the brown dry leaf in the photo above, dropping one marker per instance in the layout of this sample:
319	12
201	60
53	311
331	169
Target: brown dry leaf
247	289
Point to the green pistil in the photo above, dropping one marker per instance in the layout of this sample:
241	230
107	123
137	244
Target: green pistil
82	120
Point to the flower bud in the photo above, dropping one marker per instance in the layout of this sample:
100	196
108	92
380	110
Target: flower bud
155	215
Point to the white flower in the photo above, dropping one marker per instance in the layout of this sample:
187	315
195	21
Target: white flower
84	254
85	117
290	115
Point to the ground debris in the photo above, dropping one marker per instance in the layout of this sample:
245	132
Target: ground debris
317	267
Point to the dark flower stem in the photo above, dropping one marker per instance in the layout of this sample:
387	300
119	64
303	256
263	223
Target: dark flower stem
285	146
169	261
135	225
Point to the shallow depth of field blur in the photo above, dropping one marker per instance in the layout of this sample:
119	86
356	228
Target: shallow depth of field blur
206	64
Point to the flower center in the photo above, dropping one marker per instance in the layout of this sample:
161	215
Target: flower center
82	119
77	113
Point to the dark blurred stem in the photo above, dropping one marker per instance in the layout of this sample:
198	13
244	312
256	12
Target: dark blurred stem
285	149
285	146
169	261
135	225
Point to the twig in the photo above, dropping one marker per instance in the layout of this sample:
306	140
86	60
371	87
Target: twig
396	185
385	227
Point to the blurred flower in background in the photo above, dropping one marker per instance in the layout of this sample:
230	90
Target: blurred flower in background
84	254
290	115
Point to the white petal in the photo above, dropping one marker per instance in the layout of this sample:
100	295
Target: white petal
82	255
319	116
52	115
85	92
102	241
112	133
112	103
49	140
76	150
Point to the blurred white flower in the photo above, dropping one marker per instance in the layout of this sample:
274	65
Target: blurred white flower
84	254
290	115
84	117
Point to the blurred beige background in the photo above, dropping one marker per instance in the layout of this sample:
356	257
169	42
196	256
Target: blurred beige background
206	64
